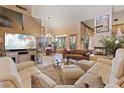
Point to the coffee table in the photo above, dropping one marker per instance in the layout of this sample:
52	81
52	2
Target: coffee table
58	63
58	60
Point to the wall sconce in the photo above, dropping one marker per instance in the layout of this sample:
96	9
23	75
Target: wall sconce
99	26
115	20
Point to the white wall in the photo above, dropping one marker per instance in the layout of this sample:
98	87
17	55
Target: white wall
68	15
98	36
62	15
118	15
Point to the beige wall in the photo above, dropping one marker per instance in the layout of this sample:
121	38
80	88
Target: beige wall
17	9
115	27
99	36
69	30
30	24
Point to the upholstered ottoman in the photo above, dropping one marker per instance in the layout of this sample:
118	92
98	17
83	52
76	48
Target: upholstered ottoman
84	64
71	73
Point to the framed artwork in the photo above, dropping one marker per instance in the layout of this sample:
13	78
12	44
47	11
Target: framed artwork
102	24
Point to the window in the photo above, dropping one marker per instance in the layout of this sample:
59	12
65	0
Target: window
86	41
61	42
73	41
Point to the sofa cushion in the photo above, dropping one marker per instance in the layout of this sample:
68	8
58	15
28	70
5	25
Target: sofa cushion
24	74
72	73
69	66
72	51
26	78
81	52
27	83
9	72
78	51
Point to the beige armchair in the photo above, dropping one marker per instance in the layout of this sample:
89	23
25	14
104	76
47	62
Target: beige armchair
9	76
19	76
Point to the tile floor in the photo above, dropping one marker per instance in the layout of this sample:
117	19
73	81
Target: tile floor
46	60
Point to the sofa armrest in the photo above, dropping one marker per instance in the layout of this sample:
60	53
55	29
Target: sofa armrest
24	65
84	64
112	86
105	61
47	82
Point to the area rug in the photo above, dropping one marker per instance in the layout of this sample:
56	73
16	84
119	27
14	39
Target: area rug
52	72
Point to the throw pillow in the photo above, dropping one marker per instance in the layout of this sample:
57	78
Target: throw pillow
122	85
36	82
96	83
120	81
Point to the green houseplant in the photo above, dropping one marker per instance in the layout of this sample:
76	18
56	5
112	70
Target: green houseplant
112	44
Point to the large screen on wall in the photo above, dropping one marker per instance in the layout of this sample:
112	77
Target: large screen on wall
19	41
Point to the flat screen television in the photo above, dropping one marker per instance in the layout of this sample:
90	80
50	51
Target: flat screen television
19	41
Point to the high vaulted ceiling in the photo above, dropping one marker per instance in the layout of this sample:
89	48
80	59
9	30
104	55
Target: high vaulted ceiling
61	15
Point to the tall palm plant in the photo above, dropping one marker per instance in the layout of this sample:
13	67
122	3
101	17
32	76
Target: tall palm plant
112	44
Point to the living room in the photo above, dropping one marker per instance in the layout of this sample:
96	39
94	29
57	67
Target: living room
61	46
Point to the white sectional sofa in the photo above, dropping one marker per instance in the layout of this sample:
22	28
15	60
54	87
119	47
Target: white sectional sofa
19	76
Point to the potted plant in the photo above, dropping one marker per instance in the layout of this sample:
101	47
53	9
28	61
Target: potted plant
112	44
